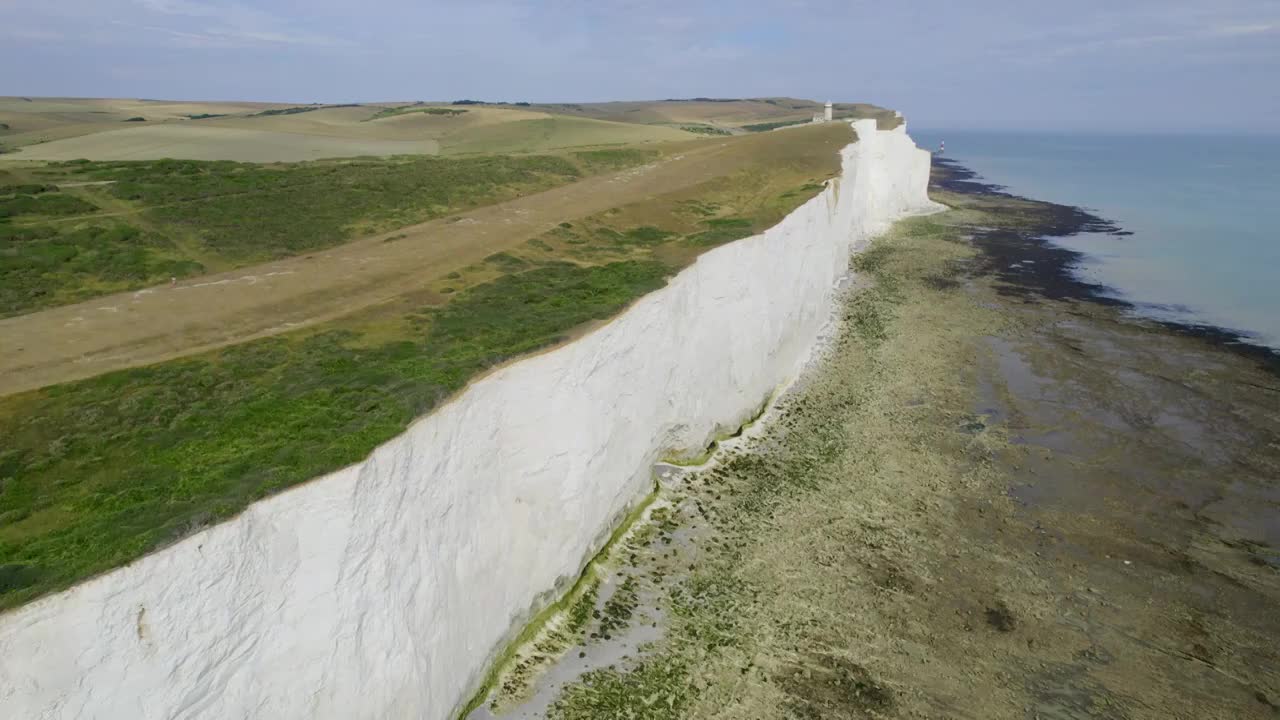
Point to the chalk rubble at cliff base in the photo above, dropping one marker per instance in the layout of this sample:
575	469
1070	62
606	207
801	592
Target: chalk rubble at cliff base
385	589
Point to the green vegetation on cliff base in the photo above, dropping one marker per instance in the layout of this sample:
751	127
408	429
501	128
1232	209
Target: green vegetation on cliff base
98	472
756	627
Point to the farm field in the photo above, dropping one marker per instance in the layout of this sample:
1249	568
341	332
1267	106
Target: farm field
232	387
207	142
58	131
66	129
730	114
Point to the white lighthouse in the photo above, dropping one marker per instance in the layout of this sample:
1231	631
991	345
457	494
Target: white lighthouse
827	115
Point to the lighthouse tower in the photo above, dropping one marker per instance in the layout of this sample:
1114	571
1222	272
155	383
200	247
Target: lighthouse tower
826	112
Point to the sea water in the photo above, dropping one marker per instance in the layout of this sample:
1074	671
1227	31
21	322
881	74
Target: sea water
1204	212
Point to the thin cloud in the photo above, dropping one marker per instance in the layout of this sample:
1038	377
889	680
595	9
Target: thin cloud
232	39
32	34
1240	30
236	26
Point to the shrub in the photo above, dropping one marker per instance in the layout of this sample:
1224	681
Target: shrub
762	127
705	130
647	235
304	206
44	204
27	189
392	112
722	230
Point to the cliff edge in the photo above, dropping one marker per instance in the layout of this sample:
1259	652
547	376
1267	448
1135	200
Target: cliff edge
385	589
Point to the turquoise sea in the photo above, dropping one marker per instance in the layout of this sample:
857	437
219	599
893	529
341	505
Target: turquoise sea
1204	212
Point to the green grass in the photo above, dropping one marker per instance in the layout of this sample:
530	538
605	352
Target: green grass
96	473
27	189
45	265
646	235
614	158
298	110
49	204
506	262
723	230
392	112
619	609
249	213
705	130
654	689
239	214
764	127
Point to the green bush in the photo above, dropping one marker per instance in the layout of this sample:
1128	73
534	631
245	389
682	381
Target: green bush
613	159
763	127
43	265
647	235
705	130
287	111
27	189
506	262
247	213
43	204
722	230
392	112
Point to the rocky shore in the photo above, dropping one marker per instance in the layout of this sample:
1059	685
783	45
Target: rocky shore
999	496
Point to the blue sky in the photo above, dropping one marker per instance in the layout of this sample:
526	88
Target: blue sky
1132	65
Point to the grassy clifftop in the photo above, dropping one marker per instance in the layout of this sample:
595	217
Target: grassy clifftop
96	473
74	230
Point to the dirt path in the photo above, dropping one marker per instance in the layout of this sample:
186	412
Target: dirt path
160	323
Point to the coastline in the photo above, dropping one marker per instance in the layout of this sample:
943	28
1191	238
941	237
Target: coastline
999	496
394	582
1054	274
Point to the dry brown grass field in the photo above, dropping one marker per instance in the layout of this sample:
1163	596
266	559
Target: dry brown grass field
59	129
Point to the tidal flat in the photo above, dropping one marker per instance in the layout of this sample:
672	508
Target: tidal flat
995	496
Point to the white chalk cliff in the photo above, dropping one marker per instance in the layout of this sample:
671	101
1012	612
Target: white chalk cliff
385	589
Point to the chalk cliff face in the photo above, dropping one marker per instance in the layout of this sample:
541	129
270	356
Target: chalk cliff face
385	589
